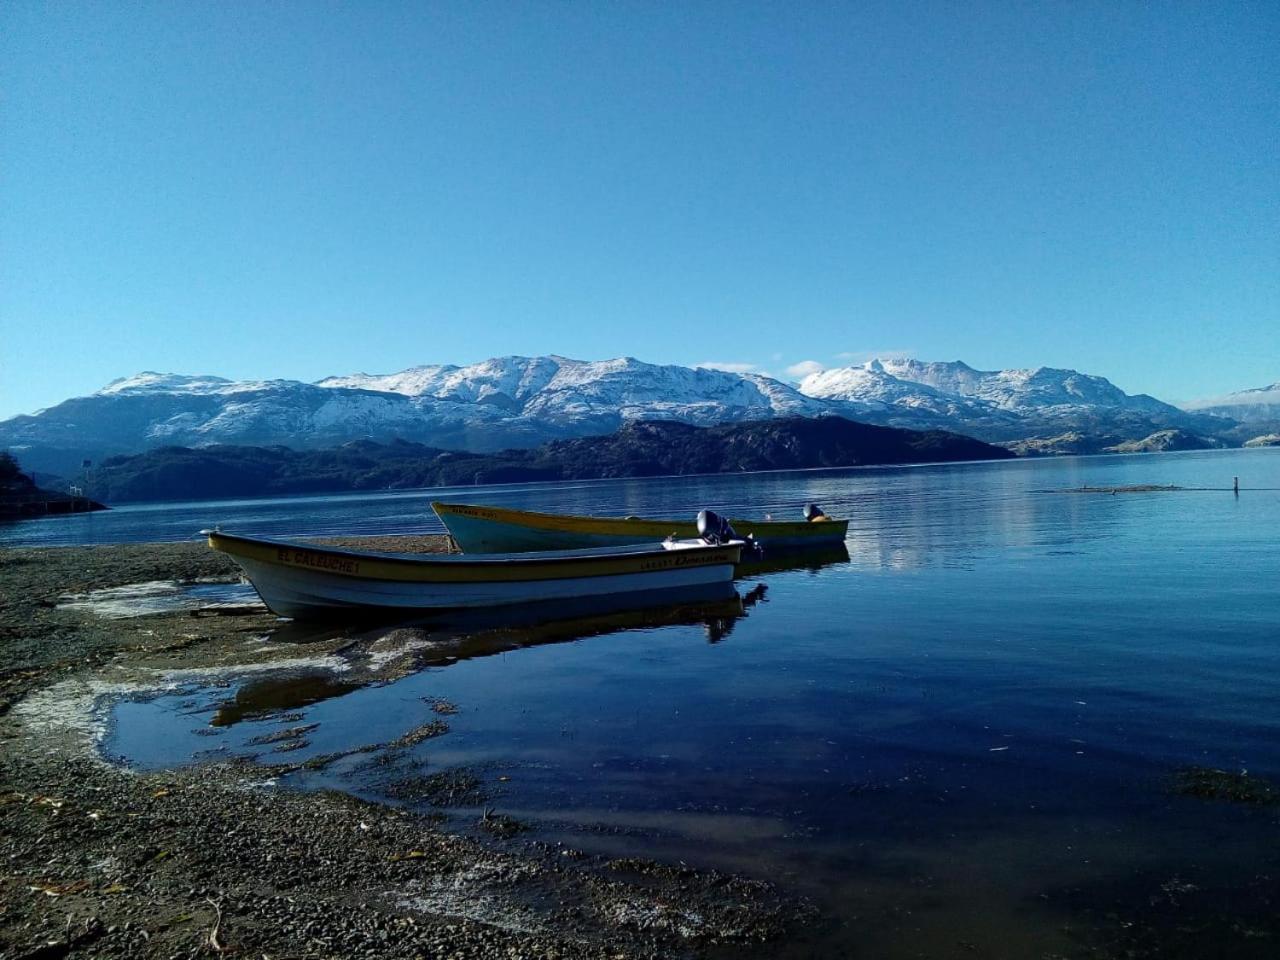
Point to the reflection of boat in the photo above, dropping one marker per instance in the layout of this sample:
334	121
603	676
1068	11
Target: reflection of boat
780	561
269	695
307	580
495	529
462	634
448	637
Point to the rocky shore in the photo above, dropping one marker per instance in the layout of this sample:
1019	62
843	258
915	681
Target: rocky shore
224	860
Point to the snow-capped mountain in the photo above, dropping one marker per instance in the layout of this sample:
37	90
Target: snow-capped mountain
1256	414
524	401
150	382
1247	406
872	393
1021	390
559	388
995	405
493	405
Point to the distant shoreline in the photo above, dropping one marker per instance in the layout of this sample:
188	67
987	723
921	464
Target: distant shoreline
37	504
645	449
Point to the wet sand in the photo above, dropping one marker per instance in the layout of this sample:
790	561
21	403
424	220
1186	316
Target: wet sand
220	860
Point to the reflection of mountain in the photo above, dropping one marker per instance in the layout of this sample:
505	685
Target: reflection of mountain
940	518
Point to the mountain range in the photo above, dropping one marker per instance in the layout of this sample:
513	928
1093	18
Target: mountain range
521	402
637	449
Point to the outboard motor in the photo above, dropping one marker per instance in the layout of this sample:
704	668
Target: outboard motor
813	512
715	529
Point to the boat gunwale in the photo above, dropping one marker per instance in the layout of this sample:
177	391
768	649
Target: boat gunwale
656	548
621	526
556	564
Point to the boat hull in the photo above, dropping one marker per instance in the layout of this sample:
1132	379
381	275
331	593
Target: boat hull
304	581
478	529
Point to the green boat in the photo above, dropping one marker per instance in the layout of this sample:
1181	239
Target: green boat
479	529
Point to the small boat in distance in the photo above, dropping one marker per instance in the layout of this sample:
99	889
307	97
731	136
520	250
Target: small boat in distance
478	529
303	580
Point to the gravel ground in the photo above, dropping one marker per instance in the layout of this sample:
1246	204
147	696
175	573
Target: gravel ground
97	860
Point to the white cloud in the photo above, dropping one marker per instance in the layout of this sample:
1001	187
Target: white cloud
804	368
727	366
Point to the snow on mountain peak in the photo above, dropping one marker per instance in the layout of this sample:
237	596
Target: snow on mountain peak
1266	395
522	401
1012	390
148	381
1247	406
556	386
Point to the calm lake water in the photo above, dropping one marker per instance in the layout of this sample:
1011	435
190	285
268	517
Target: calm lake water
958	742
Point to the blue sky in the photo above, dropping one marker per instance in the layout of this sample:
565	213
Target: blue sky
302	189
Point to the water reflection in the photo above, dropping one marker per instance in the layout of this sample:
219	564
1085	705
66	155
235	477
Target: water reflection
450	636
472	631
890	508
956	740
381	652
779	560
264	697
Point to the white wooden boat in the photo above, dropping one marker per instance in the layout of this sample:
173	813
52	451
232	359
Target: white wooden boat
303	580
478	529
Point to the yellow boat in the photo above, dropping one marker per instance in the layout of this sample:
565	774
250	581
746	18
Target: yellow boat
478	529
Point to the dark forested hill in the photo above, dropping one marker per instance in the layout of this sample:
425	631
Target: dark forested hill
650	448
20	497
